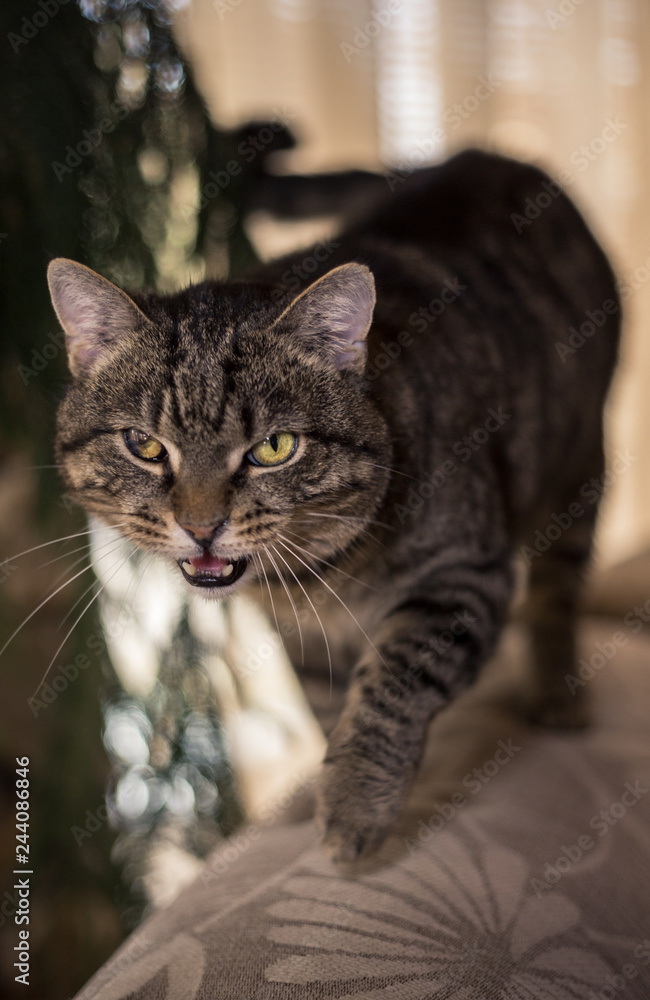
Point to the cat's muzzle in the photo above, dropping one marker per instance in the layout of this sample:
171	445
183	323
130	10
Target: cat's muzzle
209	571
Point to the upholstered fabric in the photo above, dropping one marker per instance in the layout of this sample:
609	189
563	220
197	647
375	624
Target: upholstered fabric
520	870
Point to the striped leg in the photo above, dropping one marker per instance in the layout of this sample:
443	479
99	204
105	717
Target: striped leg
428	649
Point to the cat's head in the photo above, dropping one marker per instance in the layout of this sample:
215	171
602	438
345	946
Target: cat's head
216	427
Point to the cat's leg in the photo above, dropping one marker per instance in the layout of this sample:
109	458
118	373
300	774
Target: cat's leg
432	640
555	582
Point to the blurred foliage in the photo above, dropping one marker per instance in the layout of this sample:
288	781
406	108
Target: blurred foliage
106	156
155	148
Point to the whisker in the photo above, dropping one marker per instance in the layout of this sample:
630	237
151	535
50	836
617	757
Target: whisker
289	595
344	605
145	565
257	562
111	541
72	552
67	569
147	560
42	604
262	384
396	472
95	583
76	622
80	599
311	604
350	517
54	541
361	531
278	385
313	555
359	539
268	587
35	468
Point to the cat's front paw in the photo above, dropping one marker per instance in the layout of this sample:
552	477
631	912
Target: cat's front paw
357	805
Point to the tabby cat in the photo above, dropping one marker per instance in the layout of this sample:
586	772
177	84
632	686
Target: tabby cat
373	428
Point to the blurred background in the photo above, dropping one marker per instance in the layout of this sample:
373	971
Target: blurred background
163	142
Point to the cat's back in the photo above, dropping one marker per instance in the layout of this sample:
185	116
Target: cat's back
473	195
484	270
502	297
511	243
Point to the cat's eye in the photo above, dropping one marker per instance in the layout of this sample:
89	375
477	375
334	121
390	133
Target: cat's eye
274	450
144	446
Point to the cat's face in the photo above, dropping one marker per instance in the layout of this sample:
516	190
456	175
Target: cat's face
217	430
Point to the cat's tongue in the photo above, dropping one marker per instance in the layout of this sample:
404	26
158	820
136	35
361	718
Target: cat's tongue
211	571
209	564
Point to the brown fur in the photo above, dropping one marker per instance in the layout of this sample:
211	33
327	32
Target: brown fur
431	443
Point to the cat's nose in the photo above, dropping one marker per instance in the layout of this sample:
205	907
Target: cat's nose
204	534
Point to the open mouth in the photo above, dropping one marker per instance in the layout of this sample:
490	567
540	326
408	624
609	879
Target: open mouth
209	571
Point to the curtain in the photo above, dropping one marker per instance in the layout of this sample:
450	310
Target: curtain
384	83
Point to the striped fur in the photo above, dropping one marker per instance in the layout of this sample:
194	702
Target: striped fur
427	455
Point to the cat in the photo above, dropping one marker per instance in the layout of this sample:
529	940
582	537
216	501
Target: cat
373	428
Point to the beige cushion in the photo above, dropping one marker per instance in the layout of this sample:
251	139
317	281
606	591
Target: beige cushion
520	870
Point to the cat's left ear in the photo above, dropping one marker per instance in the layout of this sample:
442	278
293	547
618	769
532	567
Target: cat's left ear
334	315
93	311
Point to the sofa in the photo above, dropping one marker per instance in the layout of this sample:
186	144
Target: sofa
519	868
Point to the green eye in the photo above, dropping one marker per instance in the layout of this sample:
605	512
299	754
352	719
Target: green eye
274	450
144	446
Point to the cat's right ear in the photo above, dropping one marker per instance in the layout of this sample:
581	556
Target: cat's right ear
93	312
334	314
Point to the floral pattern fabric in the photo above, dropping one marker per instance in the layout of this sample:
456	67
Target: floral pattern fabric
524	881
